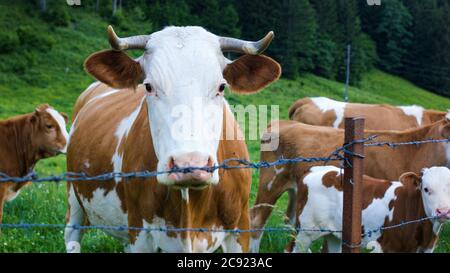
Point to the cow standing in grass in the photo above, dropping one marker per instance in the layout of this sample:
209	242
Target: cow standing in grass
26	139
385	204
297	139
323	111
178	117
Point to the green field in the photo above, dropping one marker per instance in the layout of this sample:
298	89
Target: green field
56	77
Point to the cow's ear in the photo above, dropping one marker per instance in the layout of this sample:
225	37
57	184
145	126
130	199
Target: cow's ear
65	116
411	177
35	116
251	73
114	68
445	130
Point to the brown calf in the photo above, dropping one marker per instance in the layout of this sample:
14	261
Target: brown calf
24	141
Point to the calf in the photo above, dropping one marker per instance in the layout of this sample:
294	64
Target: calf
385	203
26	139
296	139
327	112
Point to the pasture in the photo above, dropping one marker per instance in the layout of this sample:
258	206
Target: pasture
57	77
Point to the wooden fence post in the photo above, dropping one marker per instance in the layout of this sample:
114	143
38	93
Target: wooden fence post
353	175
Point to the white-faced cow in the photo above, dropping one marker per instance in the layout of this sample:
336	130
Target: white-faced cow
176	118
26	139
323	111
296	139
385	204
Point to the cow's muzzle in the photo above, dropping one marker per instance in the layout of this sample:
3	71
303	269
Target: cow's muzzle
191	170
443	215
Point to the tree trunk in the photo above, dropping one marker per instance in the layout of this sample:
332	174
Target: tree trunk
43	5
120	4
97	5
114	7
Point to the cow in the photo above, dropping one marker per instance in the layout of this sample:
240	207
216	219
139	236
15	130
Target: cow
385	204
296	139
26	139
164	111
323	111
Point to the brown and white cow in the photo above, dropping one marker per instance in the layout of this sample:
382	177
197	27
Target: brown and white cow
323	111
297	139
175	119
26	139
385	204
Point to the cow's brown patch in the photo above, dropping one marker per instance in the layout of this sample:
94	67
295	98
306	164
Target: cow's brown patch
415	237
332	179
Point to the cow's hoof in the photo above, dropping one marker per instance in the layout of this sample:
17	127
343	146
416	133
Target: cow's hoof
73	247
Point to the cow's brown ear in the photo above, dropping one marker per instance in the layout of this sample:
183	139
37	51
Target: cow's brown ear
35	115
411	178
65	116
251	73
445	130
114	68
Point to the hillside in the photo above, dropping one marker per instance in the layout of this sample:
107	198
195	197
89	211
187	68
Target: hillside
29	77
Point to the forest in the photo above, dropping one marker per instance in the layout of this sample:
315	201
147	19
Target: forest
408	38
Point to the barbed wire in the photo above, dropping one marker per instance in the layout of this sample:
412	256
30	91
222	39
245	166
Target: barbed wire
337	155
79	176
368	233
396	144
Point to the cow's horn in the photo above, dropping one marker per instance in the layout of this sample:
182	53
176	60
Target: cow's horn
241	46
133	42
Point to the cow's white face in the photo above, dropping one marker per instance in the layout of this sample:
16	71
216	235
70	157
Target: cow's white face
436	192
184	82
185	73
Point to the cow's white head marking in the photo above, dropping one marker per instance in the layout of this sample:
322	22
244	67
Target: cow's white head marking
185	72
436	192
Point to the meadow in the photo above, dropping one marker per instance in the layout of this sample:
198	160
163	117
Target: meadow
29	77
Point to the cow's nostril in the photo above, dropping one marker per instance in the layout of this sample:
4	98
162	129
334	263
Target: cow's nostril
171	164
442	211
210	162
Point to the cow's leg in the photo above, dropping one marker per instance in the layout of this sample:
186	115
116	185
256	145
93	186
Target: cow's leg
272	184
75	216
291	209
2	200
140	240
333	244
143	243
239	242
232	244
304	241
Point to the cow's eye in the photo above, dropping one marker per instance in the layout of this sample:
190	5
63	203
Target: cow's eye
426	190
222	88
49	126
148	87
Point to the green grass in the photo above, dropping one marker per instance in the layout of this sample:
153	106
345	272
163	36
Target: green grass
56	77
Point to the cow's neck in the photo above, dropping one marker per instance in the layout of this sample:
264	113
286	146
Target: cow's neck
411	208
434	153
18	136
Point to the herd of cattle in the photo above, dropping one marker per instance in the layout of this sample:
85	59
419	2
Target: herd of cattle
124	123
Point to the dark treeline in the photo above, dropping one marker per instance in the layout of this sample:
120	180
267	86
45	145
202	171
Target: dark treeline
410	38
